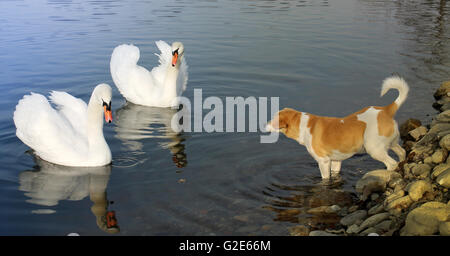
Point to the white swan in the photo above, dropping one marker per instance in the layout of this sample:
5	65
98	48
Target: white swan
72	135
156	88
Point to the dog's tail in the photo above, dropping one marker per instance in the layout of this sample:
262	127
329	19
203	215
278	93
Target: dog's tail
396	82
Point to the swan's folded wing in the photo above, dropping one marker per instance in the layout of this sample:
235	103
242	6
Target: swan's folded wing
165	58
133	81
43	129
71	108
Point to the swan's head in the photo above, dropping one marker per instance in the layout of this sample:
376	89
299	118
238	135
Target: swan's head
177	52
103	95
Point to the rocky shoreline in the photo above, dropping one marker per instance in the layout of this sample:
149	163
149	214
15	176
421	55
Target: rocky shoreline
413	200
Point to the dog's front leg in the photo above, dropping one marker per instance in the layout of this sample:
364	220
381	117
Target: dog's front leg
335	167
324	166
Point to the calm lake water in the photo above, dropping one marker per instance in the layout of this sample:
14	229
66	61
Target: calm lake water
323	57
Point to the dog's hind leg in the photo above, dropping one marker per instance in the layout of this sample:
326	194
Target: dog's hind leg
399	151
324	166
381	155
335	167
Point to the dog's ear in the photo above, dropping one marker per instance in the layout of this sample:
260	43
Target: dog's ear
283	119
286	116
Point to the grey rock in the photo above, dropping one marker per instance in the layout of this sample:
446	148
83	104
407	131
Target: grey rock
374	196
320	233
368	231
374	181
383	226
439	169
445	106
421	170
300	230
394	196
439	156
376	209
442	91
353	229
395	206
353	217
408	126
444	179
443	117
375	219
399	182
428	160
418	188
439	127
445	142
417	133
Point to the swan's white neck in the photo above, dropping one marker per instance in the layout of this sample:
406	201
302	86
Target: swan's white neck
95	136
170	81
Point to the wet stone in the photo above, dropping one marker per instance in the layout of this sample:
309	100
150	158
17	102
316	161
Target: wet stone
299	230
320	233
353	218
375	219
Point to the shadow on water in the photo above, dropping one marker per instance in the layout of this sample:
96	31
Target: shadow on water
48	184
291	203
135	124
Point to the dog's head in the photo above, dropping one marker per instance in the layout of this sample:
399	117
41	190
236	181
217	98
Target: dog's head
286	121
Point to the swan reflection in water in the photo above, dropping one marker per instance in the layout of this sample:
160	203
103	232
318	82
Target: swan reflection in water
134	123
48	183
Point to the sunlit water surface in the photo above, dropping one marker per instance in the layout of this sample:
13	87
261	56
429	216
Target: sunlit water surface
323	57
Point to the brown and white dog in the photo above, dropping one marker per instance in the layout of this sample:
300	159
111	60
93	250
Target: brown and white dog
330	140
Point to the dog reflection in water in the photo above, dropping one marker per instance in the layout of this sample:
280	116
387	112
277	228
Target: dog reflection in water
136	123
49	183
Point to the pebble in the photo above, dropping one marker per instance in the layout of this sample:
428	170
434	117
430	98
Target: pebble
399	203
418	132
383	226
399	182
408	126
375	219
353	217
300	230
439	169
352	208
442	90
324	209
394	196
320	233
421	170
444	179
376	209
368	231
428	160
418	188
444	228
445	142
353	229
374	196
439	156
374	181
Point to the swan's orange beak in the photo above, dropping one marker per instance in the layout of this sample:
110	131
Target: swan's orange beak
174	58
108	115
